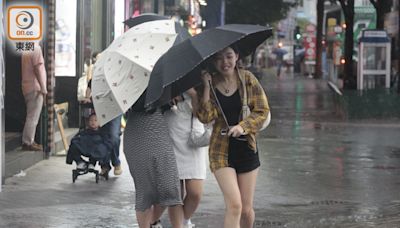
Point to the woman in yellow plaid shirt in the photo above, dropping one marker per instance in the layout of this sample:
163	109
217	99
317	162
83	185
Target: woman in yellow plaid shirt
233	151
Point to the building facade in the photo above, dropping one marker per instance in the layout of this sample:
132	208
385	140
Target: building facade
81	27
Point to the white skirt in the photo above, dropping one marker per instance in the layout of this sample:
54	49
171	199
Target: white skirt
191	161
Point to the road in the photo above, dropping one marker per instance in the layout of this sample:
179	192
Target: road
317	170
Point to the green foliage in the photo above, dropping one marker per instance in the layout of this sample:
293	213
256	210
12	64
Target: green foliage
302	23
256	11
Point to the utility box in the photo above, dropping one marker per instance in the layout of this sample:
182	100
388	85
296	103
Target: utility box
374	58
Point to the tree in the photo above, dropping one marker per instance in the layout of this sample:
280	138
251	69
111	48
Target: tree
256	11
350	81
381	7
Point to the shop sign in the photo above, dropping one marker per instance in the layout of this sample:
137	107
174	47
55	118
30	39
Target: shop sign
332	23
338	29
310	43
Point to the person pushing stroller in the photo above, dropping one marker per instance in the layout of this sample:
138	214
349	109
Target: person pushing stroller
91	143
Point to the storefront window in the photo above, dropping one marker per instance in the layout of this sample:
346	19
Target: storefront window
87	33
146	6
65	64
119	18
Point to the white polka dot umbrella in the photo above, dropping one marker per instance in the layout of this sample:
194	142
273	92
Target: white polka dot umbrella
122	72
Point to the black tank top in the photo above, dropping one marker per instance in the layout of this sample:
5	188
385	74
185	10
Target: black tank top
231	105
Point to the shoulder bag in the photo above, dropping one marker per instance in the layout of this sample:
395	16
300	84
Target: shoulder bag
246	109
199	139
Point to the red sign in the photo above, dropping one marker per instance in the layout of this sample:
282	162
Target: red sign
310	43
310	28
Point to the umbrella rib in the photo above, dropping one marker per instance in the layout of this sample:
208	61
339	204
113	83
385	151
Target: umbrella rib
196	65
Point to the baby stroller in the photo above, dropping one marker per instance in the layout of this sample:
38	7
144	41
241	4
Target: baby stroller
88	147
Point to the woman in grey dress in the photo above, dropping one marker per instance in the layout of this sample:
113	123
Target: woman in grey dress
152	164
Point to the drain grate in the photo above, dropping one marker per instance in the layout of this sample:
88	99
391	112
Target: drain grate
385	167
314	203
268	223
328	202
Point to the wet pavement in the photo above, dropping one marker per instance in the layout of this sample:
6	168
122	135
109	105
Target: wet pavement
318	169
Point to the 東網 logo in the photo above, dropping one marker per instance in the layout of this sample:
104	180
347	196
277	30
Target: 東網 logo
24	23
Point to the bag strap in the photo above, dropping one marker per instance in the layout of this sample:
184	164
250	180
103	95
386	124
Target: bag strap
219	104
243	82
191	122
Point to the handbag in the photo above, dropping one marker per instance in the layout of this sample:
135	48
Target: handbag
81	89
245	107
199	139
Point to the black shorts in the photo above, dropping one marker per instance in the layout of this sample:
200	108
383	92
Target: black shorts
241	157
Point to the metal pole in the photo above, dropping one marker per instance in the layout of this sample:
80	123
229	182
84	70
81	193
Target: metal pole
2	89
51	4
318	60
398	48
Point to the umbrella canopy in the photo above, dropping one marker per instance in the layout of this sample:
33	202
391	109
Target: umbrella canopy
179	68
279	51
122	72
142	18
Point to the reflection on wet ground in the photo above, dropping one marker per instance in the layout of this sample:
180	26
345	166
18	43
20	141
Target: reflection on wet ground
344	176
318	169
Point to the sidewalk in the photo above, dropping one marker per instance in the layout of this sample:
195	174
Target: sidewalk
44	196
318	170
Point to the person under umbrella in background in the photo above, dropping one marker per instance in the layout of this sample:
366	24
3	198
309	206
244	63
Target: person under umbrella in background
122	72
152	163
191	160
233	151
279	52
147	144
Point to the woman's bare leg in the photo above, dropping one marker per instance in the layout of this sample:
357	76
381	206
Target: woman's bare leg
158	210
247	185
228	183
194	191
176	216
144	217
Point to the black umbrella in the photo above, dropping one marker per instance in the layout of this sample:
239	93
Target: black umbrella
146	17
133	21
179	68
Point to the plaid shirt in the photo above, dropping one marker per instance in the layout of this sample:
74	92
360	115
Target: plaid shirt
209	111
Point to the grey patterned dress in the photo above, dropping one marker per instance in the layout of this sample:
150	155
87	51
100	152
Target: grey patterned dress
151	160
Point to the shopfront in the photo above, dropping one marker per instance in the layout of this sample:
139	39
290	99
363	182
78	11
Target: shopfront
13	109
82	28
